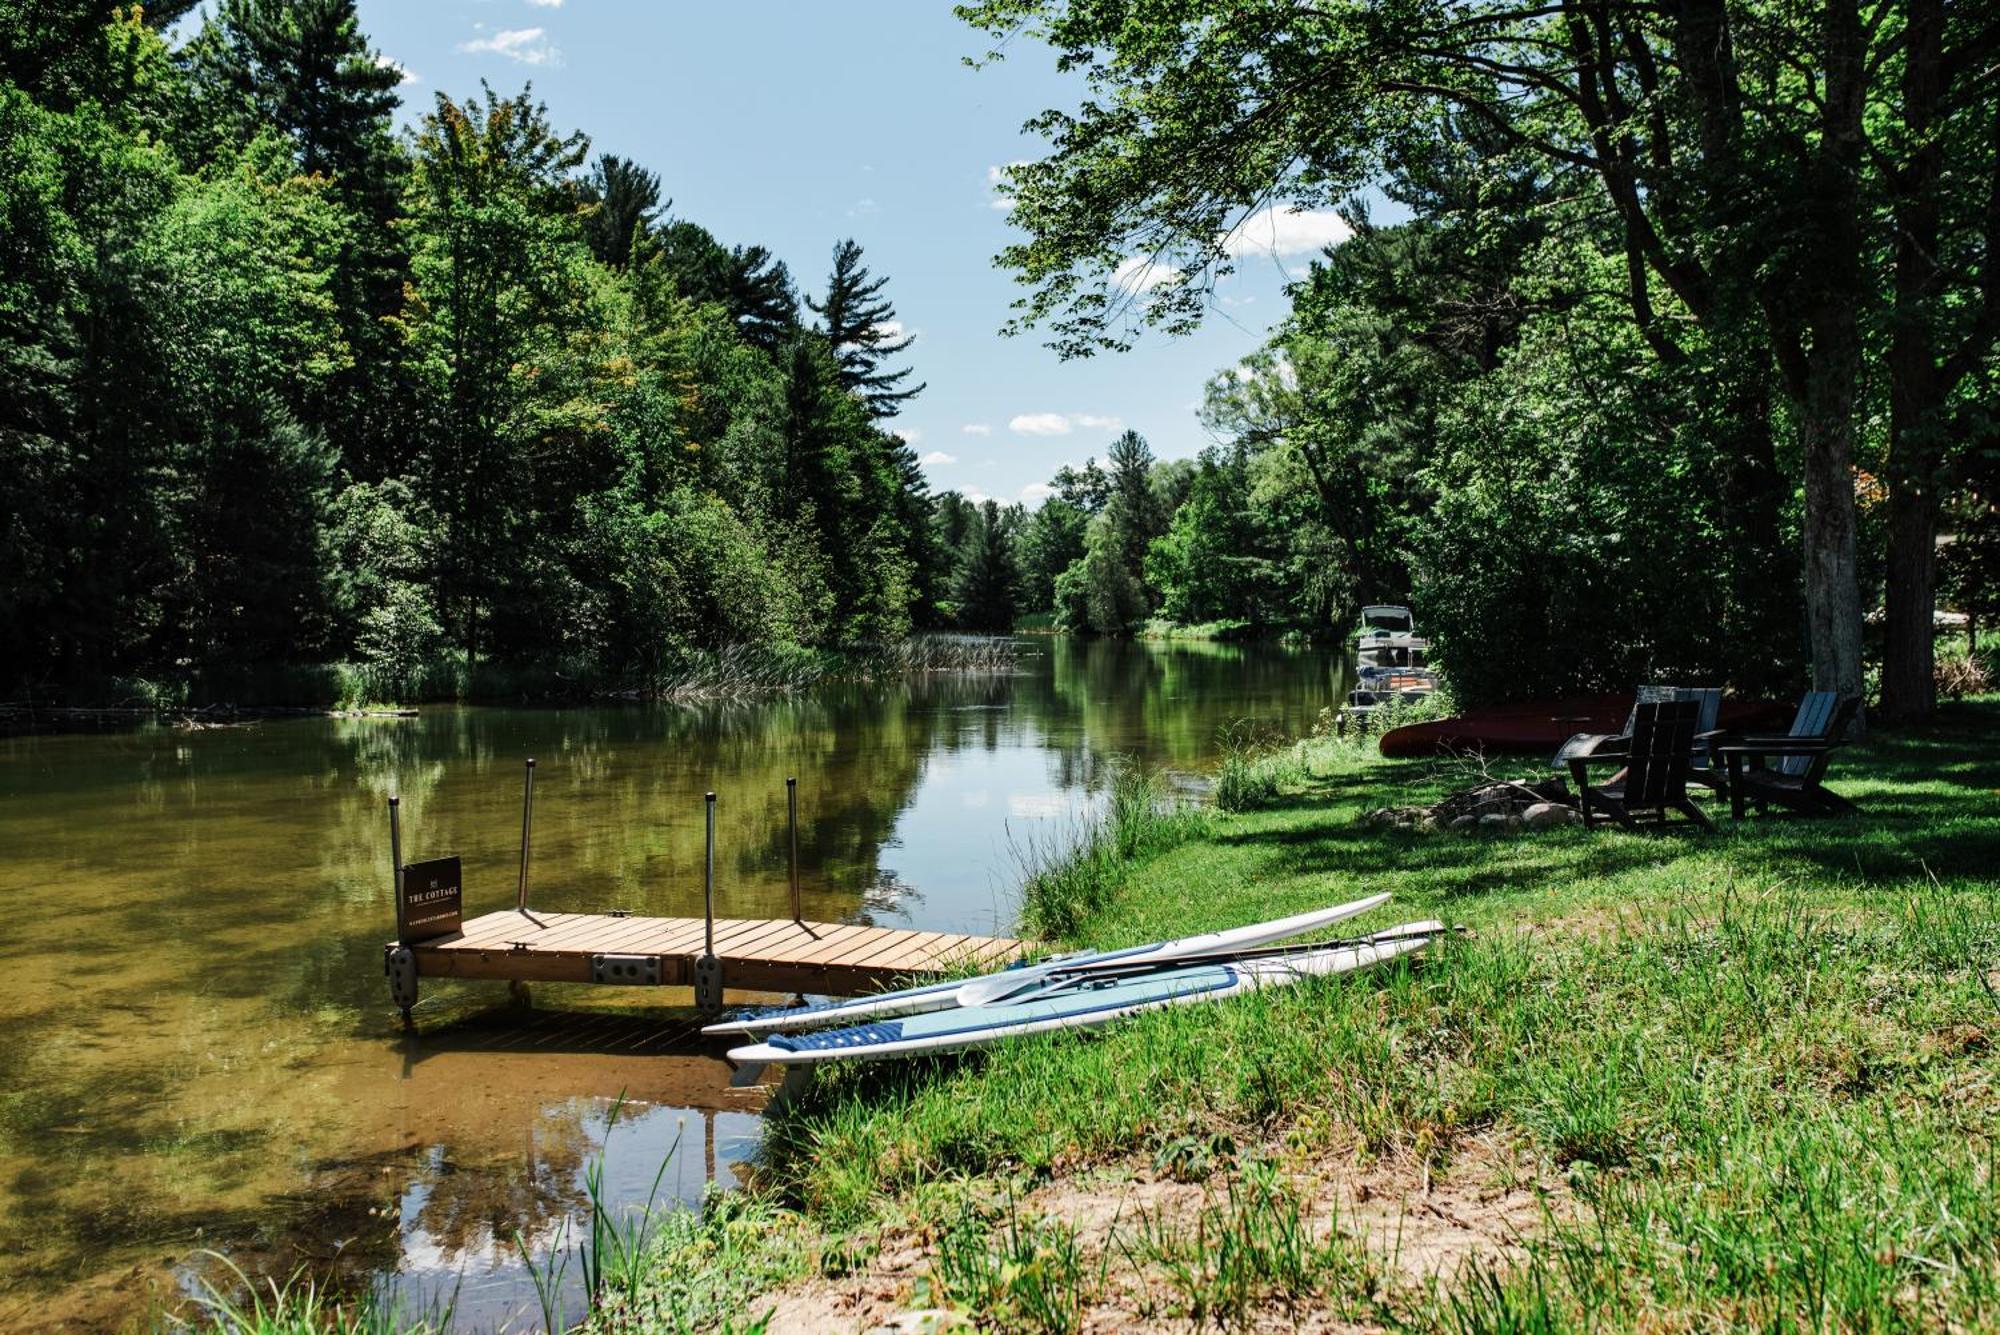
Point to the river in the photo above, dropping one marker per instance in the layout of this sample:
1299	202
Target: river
198	1051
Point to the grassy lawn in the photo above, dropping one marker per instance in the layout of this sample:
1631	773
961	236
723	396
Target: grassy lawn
1667	1081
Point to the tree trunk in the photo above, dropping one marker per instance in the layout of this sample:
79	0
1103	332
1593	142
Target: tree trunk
1833	590
1916	389
1833	365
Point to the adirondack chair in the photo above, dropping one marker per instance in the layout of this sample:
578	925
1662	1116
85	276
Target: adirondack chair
1702	766
1789	770
1655	759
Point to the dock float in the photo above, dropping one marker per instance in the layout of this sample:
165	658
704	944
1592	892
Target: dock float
709	954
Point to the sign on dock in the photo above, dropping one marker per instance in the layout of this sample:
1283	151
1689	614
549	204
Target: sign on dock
433	899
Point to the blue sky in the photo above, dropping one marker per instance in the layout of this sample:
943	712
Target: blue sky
794	124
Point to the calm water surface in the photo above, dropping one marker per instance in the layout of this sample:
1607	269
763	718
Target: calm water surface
198	1052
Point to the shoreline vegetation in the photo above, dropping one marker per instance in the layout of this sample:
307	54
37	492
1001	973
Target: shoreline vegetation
737	673
1667	1081
1745	1078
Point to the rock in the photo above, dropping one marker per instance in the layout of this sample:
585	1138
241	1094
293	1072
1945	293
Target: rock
1493	820
1463	823
1548	815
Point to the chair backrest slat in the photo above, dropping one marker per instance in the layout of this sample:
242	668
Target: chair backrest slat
1708	697
1645	695
1657	766
1836	728
1817	710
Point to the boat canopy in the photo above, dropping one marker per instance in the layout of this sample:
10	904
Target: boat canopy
1387	617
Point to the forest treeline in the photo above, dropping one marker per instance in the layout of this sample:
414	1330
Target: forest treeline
279	384
1677	361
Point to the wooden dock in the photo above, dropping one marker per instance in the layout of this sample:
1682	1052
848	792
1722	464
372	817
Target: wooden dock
709	954
753	954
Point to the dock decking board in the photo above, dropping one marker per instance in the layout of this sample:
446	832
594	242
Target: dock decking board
757	954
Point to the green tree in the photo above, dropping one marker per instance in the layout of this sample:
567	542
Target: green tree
1050	542
1099	594
84	539
303	70
984	589
859	324
1731	150
623	203
1133	510
1212	563
496	289
755	288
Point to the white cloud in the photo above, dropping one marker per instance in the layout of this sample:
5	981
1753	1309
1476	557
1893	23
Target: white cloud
975	495
1060	424
1140	274
996	181
976	429
936	457
1039	424
1037	491
546	4
893	331
864	208
1276	231
409	75
909	434
525	45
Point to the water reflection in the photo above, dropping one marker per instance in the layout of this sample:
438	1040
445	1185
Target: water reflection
190	971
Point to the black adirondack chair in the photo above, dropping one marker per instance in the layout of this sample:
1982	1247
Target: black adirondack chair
1702	766
1654	761
1790	770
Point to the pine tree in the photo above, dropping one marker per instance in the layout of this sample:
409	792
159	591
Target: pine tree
984	589
859	323
624	200
303	68
754	287
1133	509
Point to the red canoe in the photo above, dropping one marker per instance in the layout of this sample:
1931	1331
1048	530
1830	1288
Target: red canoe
1543	725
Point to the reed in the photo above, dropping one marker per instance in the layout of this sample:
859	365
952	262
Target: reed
1073	874
299	1306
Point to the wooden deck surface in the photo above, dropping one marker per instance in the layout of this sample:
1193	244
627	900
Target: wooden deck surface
757	954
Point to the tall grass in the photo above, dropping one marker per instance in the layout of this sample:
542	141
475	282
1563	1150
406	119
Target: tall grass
704	1269
299	1306
610	1254
1070	877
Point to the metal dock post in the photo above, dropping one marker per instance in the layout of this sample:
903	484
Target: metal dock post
527	824
792	811
708	969
399	961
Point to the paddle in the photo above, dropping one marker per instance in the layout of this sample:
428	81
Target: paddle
995	987
1050	982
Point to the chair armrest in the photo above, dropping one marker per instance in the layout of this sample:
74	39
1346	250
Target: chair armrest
1592	744
1802	746
1781	739
1622	756
1712	734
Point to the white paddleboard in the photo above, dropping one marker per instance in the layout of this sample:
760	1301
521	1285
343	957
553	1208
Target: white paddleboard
941	996
1087	1005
